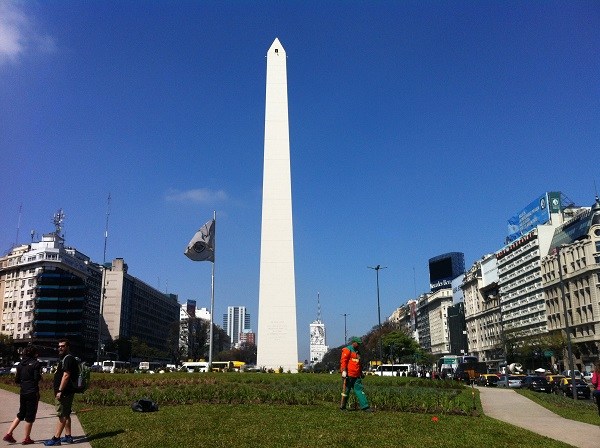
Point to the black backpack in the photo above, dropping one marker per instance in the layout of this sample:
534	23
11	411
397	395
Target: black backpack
144	405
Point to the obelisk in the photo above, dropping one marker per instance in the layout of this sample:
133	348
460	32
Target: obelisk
277	345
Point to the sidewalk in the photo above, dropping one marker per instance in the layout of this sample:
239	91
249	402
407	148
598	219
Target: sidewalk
510	407
44	425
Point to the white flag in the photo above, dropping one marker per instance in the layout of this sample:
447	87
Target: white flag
202	245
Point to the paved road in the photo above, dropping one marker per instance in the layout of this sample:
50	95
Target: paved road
510	407
44	425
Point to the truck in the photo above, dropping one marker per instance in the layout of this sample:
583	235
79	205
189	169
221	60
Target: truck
469	371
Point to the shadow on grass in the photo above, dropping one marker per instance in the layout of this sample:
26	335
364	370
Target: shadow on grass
104	435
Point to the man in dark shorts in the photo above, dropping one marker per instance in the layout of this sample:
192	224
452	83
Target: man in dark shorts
63	392
29	373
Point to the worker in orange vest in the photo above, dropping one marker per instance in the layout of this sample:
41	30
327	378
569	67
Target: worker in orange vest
352	375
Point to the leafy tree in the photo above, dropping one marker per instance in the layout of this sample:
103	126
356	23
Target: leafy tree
245	353
399	347
8	352
330	361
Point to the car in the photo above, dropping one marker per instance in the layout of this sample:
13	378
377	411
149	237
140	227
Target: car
536	383
554	381
587	376
568	373
511	381
488	380
565	388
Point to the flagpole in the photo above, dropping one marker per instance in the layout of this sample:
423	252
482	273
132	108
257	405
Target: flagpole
212	296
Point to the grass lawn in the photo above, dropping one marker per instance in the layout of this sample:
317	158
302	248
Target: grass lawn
218	425
584	411
269	410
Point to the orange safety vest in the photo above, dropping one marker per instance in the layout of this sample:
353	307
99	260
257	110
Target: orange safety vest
350	361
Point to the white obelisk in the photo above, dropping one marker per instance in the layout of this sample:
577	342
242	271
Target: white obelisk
277	345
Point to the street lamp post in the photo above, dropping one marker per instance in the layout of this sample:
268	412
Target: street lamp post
377	269
345	331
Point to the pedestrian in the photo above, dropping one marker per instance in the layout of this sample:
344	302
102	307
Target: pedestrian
65	375
596	384
352	374
29	373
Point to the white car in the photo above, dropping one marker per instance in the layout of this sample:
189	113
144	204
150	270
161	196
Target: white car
13	369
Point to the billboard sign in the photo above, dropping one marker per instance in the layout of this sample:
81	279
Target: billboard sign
535	214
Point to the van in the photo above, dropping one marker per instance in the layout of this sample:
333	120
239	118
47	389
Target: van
567	373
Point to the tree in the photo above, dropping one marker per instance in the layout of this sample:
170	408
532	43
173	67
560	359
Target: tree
221	341
245	353
330	361
399	347
8	352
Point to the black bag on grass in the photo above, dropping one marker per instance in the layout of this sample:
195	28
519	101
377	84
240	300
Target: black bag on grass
144	405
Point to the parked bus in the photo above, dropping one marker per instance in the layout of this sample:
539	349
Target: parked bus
393	369
194	366
152	366
112	366
222	366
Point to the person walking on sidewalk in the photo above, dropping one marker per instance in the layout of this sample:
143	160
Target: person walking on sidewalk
64	393
29	373
352	375
596	384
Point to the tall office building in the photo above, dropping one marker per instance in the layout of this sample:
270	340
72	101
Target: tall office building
133	308
277	334
236	322
50	291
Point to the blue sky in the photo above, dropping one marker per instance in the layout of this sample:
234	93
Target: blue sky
416	128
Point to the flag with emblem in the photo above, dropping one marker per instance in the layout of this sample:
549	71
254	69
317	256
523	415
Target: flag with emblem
202	245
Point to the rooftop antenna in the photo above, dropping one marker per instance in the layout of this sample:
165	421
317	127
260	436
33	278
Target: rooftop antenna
32	235
18	224
106	228
57	220
318	308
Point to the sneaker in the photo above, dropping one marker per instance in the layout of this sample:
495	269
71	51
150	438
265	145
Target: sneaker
27	441
367	410
52	442
67	439
9	438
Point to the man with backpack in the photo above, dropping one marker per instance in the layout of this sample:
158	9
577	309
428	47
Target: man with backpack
64	391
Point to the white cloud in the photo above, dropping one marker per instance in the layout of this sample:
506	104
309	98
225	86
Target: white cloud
18	34
199	195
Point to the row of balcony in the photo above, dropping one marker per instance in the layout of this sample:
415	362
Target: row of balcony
523	312
516	253
532	276
524	322
524	269
523	301
513	295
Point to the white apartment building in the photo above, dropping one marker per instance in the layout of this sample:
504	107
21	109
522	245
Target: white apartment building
49	291
438	303
482	310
